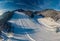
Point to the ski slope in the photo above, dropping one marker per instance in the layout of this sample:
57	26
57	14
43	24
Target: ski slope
27	29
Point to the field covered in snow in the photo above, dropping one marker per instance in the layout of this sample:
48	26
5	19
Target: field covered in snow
27	29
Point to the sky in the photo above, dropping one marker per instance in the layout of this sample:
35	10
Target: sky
30	4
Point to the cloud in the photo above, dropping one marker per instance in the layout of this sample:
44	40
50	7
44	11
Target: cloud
49	4
30	4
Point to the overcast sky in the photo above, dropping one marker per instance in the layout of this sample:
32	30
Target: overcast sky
30	4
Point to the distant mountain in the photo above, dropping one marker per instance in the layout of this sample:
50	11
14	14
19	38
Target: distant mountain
27	12
46	12
49	13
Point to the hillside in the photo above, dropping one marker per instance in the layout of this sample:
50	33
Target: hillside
49	13
25	28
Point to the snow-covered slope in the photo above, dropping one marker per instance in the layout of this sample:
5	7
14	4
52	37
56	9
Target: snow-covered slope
27	29
50	23
23	26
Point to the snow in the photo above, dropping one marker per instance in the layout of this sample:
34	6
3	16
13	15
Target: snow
27	29
58	21
49	23
2	11
21	22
